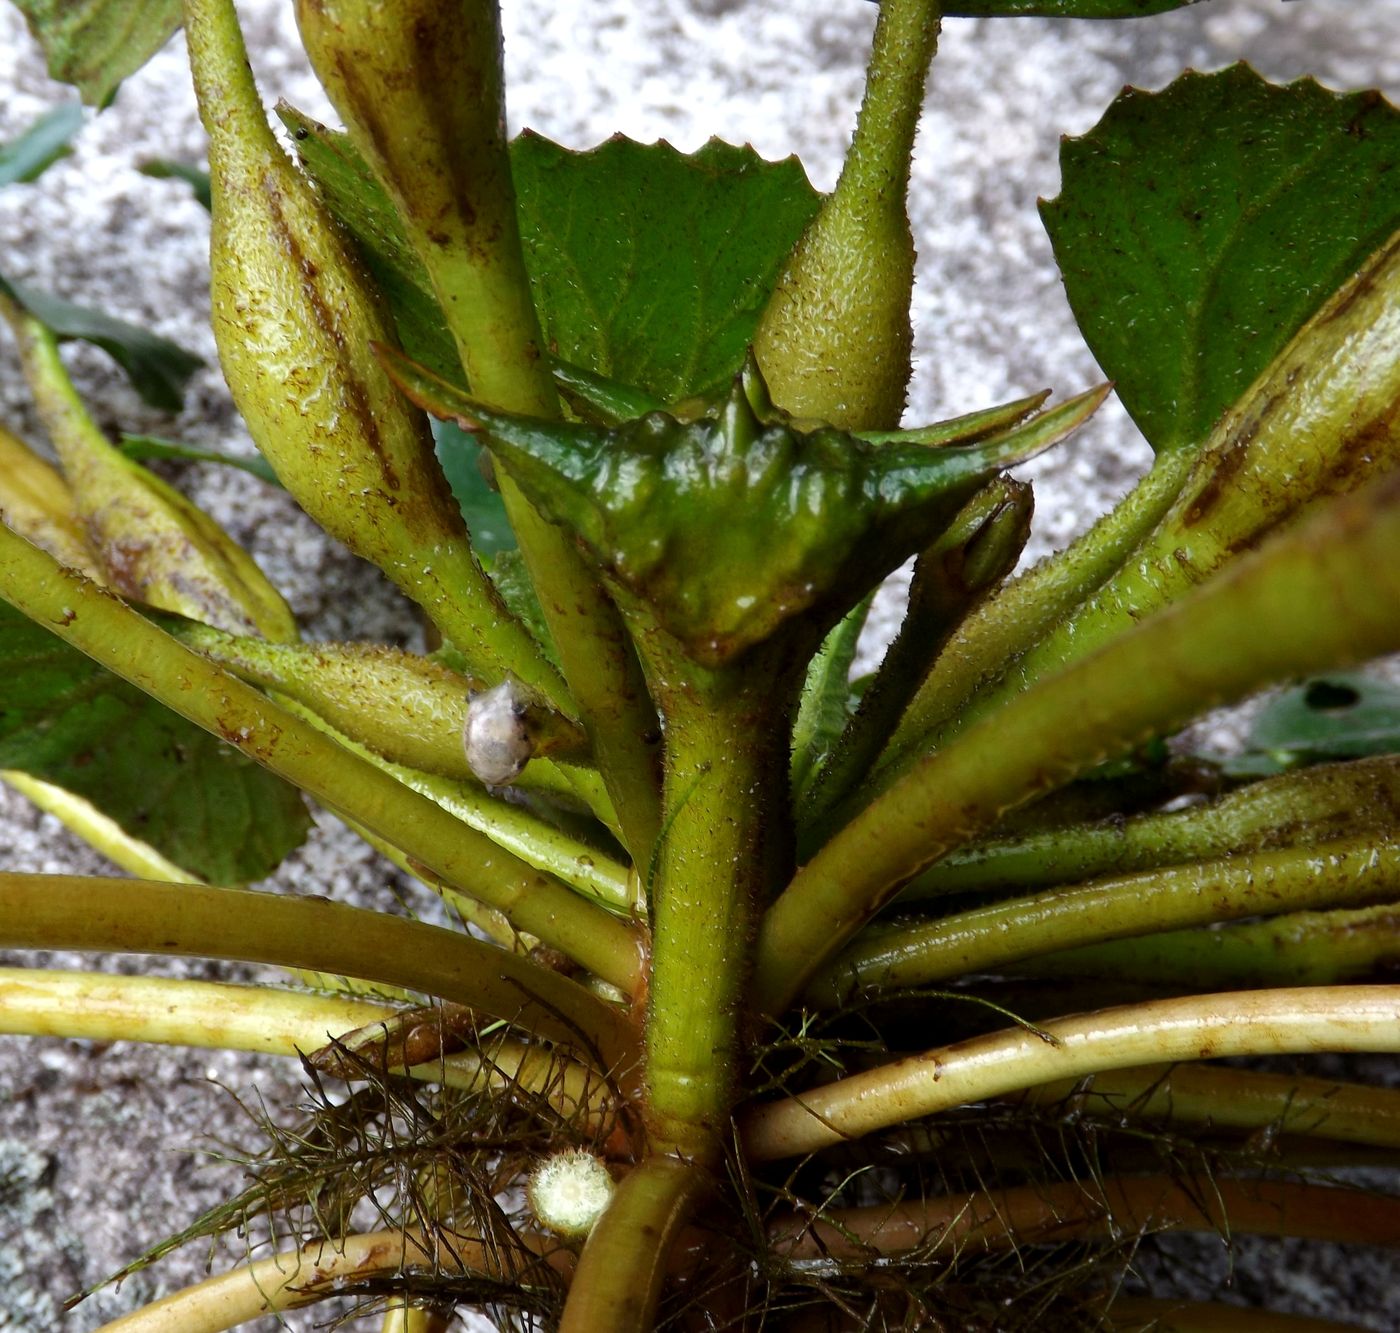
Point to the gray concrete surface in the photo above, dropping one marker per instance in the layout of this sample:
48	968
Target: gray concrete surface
107	1142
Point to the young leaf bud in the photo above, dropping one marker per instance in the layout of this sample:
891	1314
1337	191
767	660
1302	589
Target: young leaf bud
834	341
811	519
295	319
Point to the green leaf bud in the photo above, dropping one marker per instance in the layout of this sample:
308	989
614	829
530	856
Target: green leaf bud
294	319
835	339
809	519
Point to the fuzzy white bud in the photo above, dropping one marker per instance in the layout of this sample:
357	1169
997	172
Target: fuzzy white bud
569	1191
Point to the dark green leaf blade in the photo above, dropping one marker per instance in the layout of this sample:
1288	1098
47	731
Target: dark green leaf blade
651	267
480	503
157	368
1198	228
95	44
26	158
1346	715
825	705
163	169
143	448
195	800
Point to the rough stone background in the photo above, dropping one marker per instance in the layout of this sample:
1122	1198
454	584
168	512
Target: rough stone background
108	1145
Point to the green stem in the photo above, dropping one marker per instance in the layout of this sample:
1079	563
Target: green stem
723	850
445	164
1300	949
979	549
101	833
1239	1099
623	1266
115	636
1023	611
215	1015
1318	422
184	920
1336	874
834	341
35	1002
1312	805
1196	1027
524	835
1323	594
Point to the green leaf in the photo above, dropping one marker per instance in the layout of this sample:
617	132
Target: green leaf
1198	229
161	169
482	508
143	448
355	198
157	368
1347	715
95	44
651	267
826	702
731	523
41	145
196	801
517	591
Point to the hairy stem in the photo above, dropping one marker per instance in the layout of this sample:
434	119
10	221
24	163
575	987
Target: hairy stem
444	162
721	852
1341	1018
115	636
1311	806
1299	949
1021	613
1321	595
1336	874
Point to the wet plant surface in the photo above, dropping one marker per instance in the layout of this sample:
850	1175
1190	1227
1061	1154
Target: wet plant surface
399	1130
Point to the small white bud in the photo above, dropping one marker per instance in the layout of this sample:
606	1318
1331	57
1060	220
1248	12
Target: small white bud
496	736
569	1191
